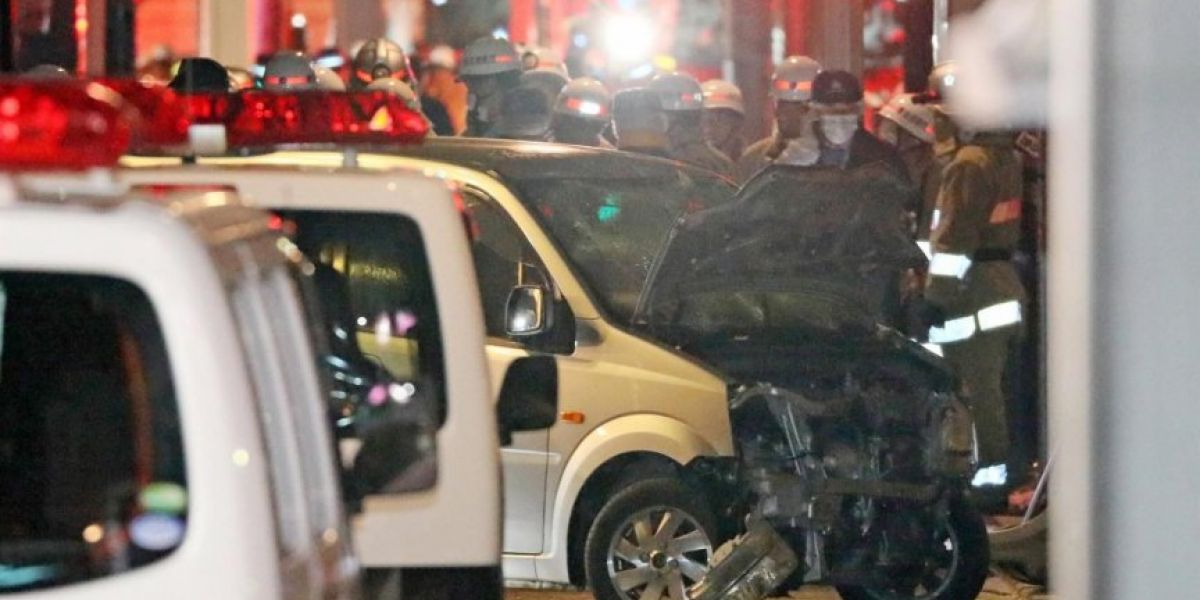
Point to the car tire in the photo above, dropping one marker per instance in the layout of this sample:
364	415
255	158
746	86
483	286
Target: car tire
650	540
970	570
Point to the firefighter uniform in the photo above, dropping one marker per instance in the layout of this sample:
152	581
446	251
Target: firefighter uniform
697	151
975	228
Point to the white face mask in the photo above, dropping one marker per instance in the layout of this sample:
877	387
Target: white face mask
838	129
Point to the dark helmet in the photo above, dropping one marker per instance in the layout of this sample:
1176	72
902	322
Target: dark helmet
381	57
836	87
200	75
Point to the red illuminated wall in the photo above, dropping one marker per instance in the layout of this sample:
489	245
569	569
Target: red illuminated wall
175	23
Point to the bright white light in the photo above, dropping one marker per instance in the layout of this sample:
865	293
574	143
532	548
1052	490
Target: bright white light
500	33
439	2
299	21
628	38
590	108
580	40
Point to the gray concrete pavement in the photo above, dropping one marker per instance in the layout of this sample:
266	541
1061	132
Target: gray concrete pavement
997	588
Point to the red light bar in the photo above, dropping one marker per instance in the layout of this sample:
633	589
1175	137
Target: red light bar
263	118
60	126
163	119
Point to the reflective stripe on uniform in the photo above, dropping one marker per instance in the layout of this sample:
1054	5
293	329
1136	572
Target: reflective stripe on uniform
1008	210
949	265
953	330
999	315
925	247
935	348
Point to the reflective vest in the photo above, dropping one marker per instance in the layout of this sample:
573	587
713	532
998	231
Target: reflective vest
974	229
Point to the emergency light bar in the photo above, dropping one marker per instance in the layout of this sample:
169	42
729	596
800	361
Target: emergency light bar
256	119
61	126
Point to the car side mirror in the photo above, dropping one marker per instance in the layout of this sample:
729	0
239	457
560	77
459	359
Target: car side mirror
528	397
526	313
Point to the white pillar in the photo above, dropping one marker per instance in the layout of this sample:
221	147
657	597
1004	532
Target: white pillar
228	31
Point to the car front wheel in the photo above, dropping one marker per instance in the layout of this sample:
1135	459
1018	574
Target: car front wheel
650	541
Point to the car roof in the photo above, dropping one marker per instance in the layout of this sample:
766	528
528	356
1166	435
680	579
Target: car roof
515	159
217	216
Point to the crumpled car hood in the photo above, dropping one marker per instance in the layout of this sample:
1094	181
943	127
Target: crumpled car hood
790	256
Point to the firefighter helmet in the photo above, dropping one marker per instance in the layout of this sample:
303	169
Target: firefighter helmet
720	94
793	80
489	56
917	119
585	98
678	92
381	57
289	71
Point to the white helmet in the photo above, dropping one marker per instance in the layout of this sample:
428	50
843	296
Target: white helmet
328	80
678	92
942	81
489	56
443	56
585	98
722	94
793	79
917	119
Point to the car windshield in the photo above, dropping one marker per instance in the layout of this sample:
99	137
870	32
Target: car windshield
612	229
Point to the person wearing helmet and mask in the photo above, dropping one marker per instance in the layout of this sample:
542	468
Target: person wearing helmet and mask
975	296
682	100
490	67
837	104
289	71
724	116
639	122
791	89
581	112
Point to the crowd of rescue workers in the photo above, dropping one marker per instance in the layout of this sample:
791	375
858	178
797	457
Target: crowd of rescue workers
961	194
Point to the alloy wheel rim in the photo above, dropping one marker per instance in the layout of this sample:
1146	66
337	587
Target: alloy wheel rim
657	553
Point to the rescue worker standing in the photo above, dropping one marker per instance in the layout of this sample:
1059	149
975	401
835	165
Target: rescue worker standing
973	287
490	67
724	117
791	88
683	102
581	112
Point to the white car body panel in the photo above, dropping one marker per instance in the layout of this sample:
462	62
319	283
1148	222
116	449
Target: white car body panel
457	522
229	550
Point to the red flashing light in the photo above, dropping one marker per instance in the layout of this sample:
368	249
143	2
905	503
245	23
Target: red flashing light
305	117
162	118
60	126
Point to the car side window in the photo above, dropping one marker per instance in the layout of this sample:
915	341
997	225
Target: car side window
91	447
503	258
